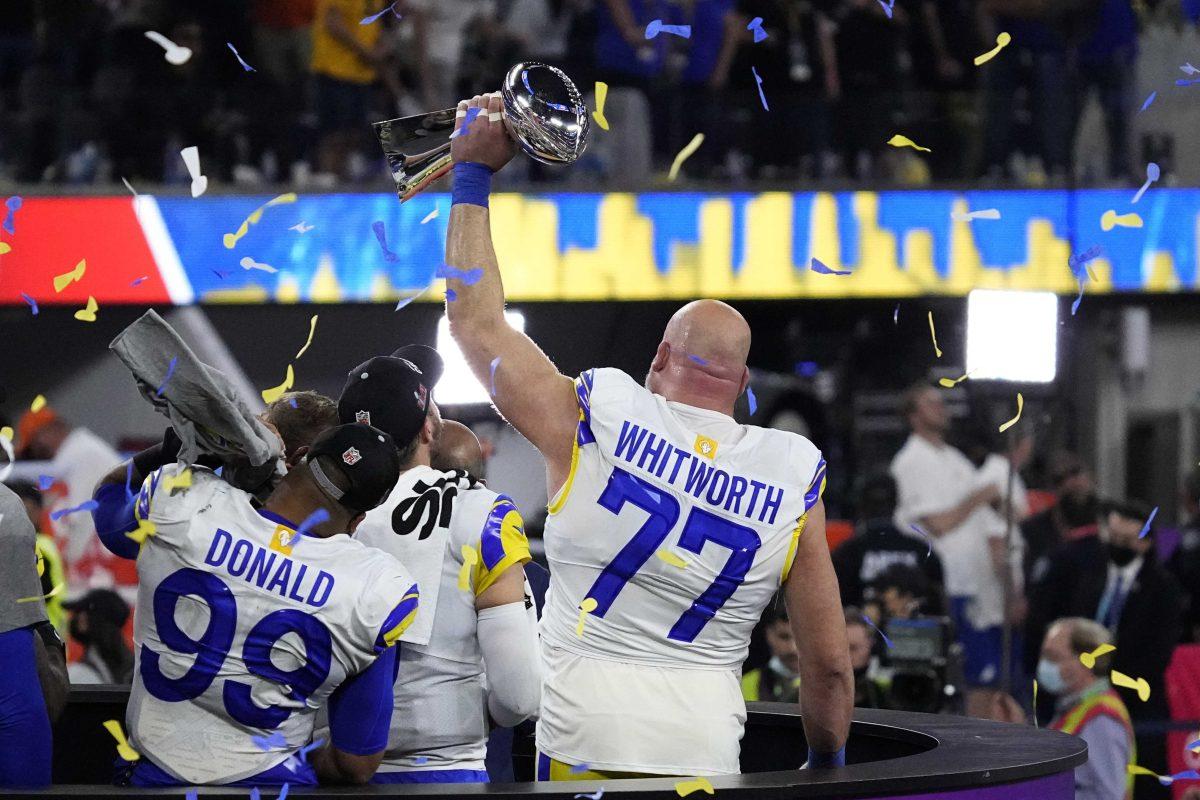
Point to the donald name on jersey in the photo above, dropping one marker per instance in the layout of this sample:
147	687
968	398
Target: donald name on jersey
236	559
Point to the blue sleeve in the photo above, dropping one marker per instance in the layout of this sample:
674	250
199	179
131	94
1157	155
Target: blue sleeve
360	710
114	517
25	740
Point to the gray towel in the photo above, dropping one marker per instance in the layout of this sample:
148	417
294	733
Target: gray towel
199	401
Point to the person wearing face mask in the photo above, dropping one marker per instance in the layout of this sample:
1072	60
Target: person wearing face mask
1087	706
1115	580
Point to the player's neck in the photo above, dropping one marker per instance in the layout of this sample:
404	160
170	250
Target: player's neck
421	457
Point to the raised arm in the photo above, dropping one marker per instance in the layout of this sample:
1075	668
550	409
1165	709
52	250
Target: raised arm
530	392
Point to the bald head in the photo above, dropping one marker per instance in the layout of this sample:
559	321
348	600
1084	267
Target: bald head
457	447
701	360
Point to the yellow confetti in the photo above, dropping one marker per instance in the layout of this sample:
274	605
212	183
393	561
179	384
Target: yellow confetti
145	529
61	281
1035	719
1013	421
41	563
1002	41
684	788
904	141
1134	769
933	333
312	328
1089	659
123	749
88	314
38	403
271	395
231	239
5	248
684	155
55	591
947	382
601	95
181	481
1110	219
470	559
6	433
1140	685
586	607
672	559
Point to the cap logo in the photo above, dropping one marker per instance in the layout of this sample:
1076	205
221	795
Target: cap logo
352	456
421	394
414	367
362	417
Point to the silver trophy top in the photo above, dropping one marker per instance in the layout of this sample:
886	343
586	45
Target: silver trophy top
545	113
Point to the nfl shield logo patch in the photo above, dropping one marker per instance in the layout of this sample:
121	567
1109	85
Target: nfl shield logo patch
352	456
362	417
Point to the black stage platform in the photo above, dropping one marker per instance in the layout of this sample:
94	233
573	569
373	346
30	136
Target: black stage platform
891	754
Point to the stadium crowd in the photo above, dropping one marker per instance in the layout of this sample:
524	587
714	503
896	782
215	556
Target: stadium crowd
86	99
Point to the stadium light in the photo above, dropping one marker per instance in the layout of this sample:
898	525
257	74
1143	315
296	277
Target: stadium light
1012	336
458	385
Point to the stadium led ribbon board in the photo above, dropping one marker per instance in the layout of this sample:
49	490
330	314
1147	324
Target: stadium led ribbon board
605	246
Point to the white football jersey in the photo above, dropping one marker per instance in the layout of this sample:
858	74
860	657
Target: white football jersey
244	627
440	720
674	529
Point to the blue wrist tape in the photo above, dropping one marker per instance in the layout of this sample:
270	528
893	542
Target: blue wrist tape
472	184
825	760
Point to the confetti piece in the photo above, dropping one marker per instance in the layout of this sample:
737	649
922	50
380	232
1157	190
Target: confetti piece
175	54
419	760
756	26
271	395
87	505
987	213
933	333
301	228
373	17
13	204
1013	421
1152	174
473	112
684	788
45	482
249	263
312	328
6	438
166	379
950	384
191	160
38	403
882	635
896	315
601	96
451	295
181	481
1140	685
495	363
381	235
123	749
276	739
684	154
752	400
1149	521
1089	659
903	141
1035	688
761	96
887	7
1194	746
88	314
431	215
1081	260
62	281
41	560
241	60
129	186
144	530
1165	780
1149	100
221	274
820	268
596	795
1185	82
698	360
5	247
1002	41
295	762
924	535
578	768
586	607
671	558
140	281
406	300
1079	298
470	559
656	26
469	277
53	592
1110	219
231	239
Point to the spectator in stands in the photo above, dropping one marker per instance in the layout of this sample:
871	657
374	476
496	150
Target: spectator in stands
902	592
779	680
1087	706
879	545
283	40
1115	580
869	79
1106	60
696	106
51	569
79	459
1185	561
1074	515
442	36
98	622
939	492
868	692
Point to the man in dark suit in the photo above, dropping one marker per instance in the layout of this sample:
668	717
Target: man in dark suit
1115	579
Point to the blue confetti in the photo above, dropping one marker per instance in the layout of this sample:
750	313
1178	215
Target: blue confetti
1076	262
924	535
128	480
292	402
761	96
191	794
170	371
698	360
32	303
88	505
472	113
276	739
886	640
467	276
419	760
656	26
1194	745
1185	82
822	269
1079	299
1149	100
381	235
756	26
140	281
495	363
405	302
311	521
45	482
241	61
283	792
887	7
750	398
577	768
451	295
373	17
255	794
13	204
221	274
1149	522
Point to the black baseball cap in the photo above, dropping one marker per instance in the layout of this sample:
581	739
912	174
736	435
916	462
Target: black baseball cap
102	604
389	393
428	361
356	465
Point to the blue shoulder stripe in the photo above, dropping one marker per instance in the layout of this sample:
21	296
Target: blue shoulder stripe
816	487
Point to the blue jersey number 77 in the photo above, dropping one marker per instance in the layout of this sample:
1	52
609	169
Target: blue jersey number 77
701	526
